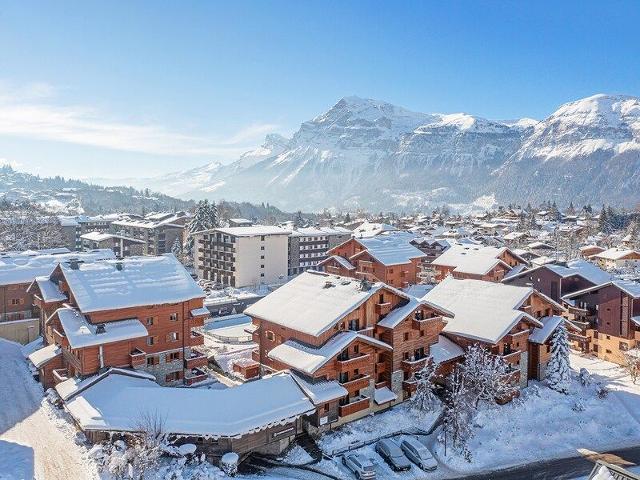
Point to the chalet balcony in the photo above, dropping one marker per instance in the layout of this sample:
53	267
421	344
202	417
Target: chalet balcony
138	358
410	386
383	308
419	323
195	360
415	365
355	405
60	375
197	339
512	358
357	384
382	384
381	367
60	338
255	355
361	361
513	376
194	376
516	337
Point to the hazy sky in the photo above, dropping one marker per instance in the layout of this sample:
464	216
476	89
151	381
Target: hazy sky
117	89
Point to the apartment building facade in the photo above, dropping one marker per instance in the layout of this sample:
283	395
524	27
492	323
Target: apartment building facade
121	245
242	256
308	246
158	231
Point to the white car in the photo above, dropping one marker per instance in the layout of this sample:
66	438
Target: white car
418	453
360	465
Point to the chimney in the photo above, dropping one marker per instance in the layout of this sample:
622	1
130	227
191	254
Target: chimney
100	329
74	263
328	284
119	266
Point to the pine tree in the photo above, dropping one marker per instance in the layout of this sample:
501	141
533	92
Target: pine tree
603	221
424	398
558	370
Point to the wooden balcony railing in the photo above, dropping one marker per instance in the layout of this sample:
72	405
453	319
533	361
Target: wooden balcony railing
409	385
383	308
419	323
353	363
381	367
413	366
138	358
195	360
197	339
60	375
512	358
356	384
355	405
196	375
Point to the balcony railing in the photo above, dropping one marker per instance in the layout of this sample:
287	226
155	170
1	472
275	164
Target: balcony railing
196	339
512	357
196	375
353	363
415	365
137	358
357	384
195	360
409	385
355	405
419	323
381	367
60	375
383	308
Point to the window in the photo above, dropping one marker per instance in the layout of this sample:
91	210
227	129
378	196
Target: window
343	377
356	349
151	341
152	361
623	347
262	274
353	324
172	357
16	301
422	333
149	320
262	247
406	336
261	266
608	351
173	376
172	337
261	257
262	238
270	336
173	317
549	348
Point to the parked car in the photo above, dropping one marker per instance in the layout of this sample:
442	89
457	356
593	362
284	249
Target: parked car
360	465
392	454
418	453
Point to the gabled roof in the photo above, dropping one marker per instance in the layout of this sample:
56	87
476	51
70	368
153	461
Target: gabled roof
321	391
48	290
106	405
615	253
313	301
483	311
541	335
132	282
391	248
445	350
308	359
580	267
82	333
472	259
341	260
394	317
630	288
44	355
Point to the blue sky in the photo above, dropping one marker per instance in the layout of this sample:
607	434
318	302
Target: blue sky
117	89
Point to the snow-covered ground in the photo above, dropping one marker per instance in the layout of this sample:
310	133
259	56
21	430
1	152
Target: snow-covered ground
225	352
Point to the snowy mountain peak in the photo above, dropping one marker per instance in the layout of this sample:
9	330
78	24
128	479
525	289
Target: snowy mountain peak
600	110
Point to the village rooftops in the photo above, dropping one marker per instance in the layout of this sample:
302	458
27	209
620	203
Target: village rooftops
368	229
392	248
314	301
471	259
319	231
81	333
25	268
152	221
99	237
307	359
107	406
484	311
615	253
132	282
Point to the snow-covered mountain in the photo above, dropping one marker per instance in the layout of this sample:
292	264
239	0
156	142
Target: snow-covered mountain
371	154
586	151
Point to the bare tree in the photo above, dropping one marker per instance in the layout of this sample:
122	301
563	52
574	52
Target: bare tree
632	363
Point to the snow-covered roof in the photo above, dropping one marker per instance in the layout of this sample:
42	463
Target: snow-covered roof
138	281
514	272
445	350
484	311
24	268
384	395
615	253
313	301
369	229
117	403
341	260
252	231
199	312
321	391
152	221
541	335
49	290
583	268
394	317
630	287
472	259
540	246
82	333
308	359
44	355
392	248
74	385
100	236
592	246
320	231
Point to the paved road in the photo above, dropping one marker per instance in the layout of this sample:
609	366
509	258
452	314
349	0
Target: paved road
563	469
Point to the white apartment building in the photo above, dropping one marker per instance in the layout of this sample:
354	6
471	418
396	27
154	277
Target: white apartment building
242	256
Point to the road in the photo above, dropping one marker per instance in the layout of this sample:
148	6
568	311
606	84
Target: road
562	469
25	421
